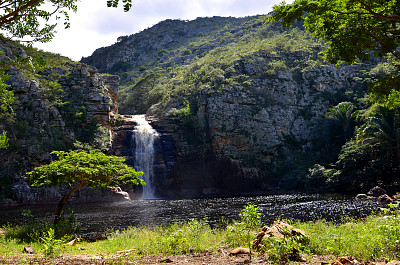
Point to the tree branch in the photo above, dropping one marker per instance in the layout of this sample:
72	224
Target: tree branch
370	12
5	19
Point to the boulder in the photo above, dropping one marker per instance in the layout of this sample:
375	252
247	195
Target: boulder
361	197
376	191
345	261
29	250
384	199
238	251
279	229
95	236
73	242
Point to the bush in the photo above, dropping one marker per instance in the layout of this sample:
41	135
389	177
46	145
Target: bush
66	229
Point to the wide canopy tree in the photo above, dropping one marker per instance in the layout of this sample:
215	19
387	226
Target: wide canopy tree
352	29
80	169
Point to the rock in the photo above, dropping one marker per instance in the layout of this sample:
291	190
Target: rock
73	242
166	260
94	236
29	250
44	125
119	191
238	251
376	191
384	199
279	229
345	261
361	197
393	262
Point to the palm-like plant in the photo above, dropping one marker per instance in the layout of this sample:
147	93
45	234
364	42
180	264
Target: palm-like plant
343	115
382	132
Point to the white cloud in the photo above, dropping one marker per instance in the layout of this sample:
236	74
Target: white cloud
95	25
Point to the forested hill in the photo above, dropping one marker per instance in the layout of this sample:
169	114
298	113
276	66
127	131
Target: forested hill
168	43
148	58
248	103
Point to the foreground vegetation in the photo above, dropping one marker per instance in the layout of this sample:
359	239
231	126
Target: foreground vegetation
366	239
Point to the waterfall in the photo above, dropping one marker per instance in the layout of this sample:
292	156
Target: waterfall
144	136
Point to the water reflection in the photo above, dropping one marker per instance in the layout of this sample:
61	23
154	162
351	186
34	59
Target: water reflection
119	215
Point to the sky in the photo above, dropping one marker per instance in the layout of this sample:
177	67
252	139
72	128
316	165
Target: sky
95	25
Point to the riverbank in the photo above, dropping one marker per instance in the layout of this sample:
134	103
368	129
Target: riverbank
371	239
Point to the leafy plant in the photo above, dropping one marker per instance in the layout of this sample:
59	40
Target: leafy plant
50	243
251	217
35	228
3	140
283	250
392	227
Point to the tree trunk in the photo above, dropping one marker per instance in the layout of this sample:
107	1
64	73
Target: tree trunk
63	200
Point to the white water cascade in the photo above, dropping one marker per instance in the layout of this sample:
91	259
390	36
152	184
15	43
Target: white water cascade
144	136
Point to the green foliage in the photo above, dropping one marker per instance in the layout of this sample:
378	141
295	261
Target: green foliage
343	115
186	52
372	156
216	61
120	67
367	239
35	228
38	19
127	4
92	169
21	19
6	96
391	229
52	91
3	140
83	169
352	29
50	243
286	249
251	216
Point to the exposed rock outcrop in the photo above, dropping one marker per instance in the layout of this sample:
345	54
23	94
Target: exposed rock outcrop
55	108
376	191
237	137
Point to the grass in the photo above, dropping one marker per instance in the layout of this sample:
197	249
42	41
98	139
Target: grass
369	239
366	239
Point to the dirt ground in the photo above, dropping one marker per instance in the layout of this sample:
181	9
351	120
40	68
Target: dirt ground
189	259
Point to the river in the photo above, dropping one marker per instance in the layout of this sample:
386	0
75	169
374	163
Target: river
120	215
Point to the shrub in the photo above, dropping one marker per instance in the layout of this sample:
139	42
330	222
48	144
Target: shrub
36	229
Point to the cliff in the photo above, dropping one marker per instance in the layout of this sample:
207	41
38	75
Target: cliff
244	103
56	106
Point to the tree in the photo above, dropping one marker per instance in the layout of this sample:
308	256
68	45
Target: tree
83	169
352	29
342	114
31	18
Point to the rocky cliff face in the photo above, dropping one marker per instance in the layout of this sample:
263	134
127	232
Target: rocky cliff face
248	138
55	107
245	104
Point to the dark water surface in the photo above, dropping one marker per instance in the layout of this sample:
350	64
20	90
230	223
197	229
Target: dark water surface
119	215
